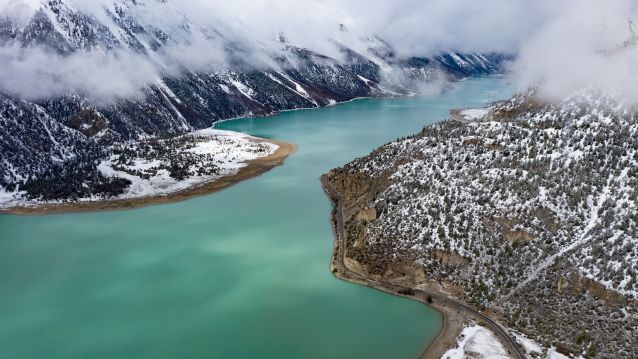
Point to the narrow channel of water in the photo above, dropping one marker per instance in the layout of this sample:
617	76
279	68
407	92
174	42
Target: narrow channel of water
238	274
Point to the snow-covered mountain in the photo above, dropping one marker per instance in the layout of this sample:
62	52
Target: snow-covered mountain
527	209
78	81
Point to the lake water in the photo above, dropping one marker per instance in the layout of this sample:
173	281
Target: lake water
238	274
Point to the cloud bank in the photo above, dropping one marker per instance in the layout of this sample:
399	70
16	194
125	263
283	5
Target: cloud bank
558	43
36	73
585	44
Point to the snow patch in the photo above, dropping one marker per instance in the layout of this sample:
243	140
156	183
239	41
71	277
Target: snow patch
476	342
473	114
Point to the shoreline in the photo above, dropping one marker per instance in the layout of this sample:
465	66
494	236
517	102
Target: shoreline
391	96
452	323
252	169
454	313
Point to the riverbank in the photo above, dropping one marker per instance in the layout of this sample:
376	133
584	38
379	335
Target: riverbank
252	168
454	313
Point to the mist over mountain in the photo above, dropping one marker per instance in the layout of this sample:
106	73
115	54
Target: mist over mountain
60	47
53	48
585	45
557	43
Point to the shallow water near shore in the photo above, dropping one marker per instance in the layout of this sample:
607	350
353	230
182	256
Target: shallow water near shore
238	274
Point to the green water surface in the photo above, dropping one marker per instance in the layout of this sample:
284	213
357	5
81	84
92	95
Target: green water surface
238	274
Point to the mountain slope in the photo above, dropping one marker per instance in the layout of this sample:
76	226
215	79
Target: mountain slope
527	209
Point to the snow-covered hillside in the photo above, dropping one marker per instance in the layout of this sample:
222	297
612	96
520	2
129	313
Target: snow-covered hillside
68	117
152	168
529	209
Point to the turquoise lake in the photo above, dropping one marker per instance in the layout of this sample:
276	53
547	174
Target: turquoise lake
243	273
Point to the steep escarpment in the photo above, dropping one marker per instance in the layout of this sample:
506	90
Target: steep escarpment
62	134
527	210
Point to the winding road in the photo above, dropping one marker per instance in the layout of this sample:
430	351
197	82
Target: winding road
416	294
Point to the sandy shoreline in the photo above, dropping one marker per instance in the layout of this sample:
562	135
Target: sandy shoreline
453	321
453	324
252	169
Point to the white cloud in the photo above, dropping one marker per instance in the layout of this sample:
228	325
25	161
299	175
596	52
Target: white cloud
578	48
35	73
557	41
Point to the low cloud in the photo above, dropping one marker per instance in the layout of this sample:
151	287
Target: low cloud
558	43
585	44
35	73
